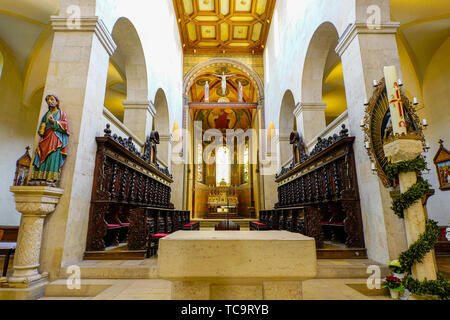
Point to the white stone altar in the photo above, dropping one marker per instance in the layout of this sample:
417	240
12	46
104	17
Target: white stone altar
237	265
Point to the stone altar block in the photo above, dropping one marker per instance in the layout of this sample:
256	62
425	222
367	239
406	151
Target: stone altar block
237	265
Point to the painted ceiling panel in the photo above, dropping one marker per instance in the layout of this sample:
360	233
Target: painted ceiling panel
240	32
206	5
188	6
224	29
261	6
256	32
208	32
192	31
226	22
207	18
243	5
225	7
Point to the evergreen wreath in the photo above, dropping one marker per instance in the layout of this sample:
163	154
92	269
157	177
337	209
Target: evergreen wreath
426	242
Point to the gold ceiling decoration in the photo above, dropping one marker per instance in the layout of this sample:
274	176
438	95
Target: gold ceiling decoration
224	26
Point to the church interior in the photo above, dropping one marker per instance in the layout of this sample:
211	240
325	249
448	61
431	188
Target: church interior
225	150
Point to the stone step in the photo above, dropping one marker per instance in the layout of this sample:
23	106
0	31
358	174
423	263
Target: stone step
210	223
347	269
116	272
88	288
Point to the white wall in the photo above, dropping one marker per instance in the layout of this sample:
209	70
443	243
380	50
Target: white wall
436	94
17	129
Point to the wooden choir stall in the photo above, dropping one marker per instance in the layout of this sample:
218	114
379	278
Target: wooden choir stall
318	194
130	200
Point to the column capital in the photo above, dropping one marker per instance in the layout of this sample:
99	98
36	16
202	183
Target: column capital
140	105
86	24
309	106
355	29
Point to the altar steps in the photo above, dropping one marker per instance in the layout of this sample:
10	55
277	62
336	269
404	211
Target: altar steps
117	269
347	269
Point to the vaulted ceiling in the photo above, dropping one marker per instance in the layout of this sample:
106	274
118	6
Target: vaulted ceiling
224	26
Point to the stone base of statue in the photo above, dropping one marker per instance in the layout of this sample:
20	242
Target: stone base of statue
35	203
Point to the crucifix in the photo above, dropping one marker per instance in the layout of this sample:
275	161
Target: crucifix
224	77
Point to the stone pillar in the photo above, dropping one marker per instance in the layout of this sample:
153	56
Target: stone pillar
138	117
414	216
77	74
310	119
364	53
164	148
34	203
285	149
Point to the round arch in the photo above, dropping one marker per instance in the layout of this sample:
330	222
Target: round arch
287	124
197	70
161	123
317	54
130	57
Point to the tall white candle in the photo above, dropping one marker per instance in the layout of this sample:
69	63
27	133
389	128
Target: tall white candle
395	100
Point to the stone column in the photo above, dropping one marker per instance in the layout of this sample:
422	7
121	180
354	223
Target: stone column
34	203
364	52
164	148
310	119
77	74
138	117
414	216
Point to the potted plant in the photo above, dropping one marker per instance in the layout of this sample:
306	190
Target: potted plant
396	269
395	286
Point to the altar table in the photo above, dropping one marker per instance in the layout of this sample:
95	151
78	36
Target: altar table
242	265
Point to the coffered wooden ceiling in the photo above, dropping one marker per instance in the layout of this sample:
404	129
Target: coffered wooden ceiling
224	26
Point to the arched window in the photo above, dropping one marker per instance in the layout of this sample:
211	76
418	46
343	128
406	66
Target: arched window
199	162
1	65
223	165
246	162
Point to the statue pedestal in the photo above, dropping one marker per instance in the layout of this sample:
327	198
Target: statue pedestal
243	265
402	150
34	203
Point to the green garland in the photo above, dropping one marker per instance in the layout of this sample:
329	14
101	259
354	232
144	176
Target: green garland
426	242
412	195
418	250
415	165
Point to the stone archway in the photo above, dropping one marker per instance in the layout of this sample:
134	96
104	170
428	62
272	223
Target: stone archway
130	58
161	124
286	125
311	111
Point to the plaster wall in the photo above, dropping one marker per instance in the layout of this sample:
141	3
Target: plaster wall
17	125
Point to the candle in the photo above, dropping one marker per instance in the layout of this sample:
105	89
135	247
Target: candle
366	102
373	167
415	101
367	145
395	101
400	82
424	122
362	123
375	83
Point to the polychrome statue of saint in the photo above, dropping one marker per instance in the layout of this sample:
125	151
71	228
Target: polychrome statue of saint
51	151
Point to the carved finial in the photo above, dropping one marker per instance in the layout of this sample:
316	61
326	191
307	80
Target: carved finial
441	142
107	131
344	131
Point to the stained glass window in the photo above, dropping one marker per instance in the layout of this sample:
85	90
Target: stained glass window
199	163
223	165
246	163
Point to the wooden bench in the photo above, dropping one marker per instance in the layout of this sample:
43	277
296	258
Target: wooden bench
191	226
258	226
7	249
